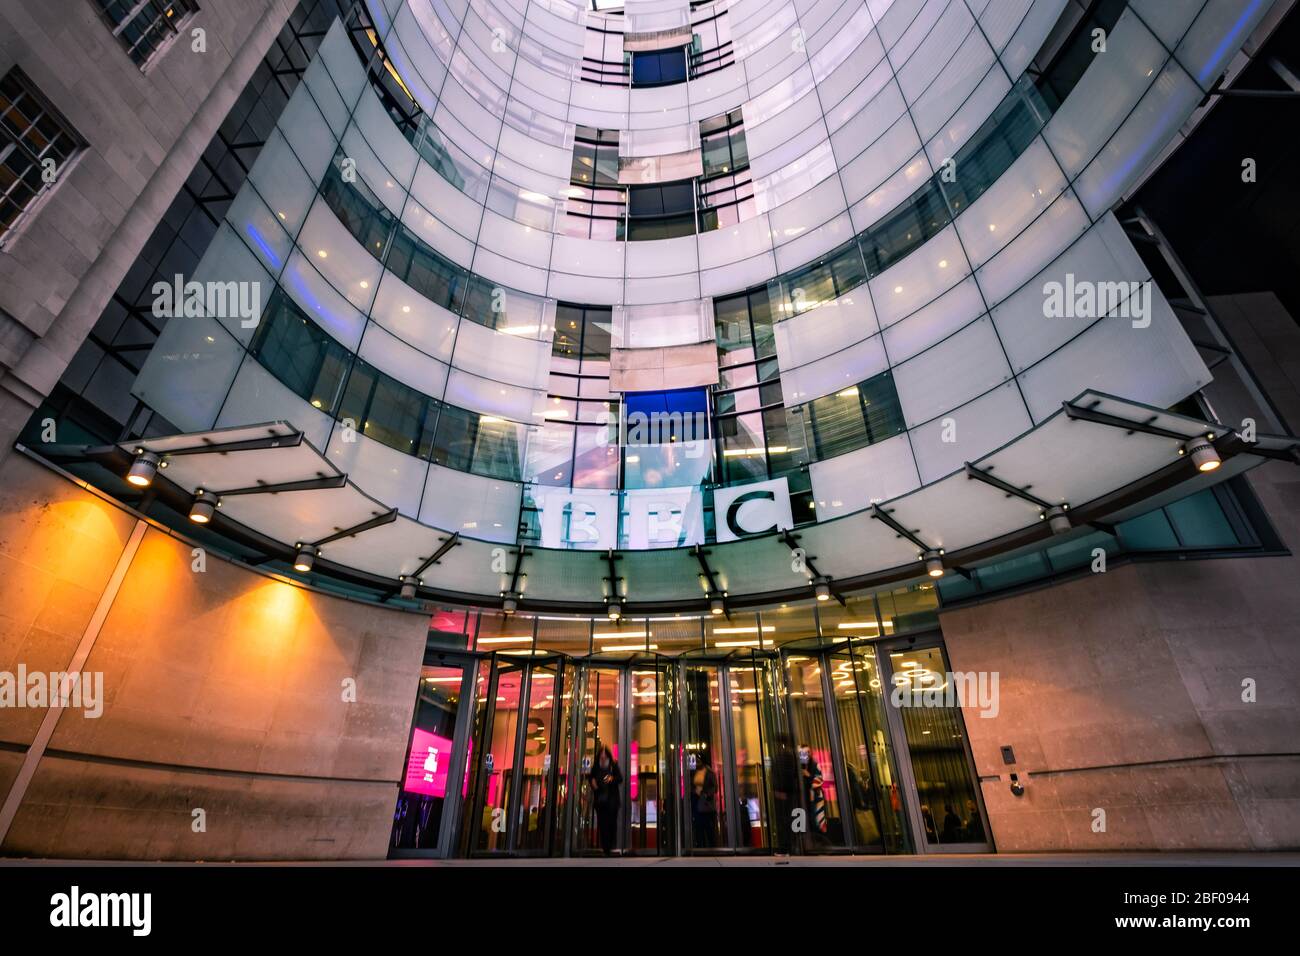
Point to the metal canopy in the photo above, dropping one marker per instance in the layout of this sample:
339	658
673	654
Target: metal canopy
1100	454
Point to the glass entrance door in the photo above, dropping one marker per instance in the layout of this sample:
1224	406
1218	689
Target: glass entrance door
515	773
727	732
848	778
941	786
434	775
599	705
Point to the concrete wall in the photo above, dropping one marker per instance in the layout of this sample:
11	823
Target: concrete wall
224	691
1123	691
145	132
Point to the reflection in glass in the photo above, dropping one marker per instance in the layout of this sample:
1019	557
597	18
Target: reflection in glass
748	741
645	789
948	803
703	752
534	778
423	797
818	790
872	779
498	763
601	696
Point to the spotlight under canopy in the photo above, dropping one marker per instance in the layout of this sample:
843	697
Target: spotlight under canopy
143	469
305	559
204	507
933	563
1203	454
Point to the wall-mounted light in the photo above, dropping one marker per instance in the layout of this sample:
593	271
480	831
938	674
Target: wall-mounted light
1202	453
143	469
933	563
305	558
203	506
509	602
408	587
1057	519
716	606
822	590
613	607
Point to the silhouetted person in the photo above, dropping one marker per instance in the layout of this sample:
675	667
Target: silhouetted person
951	825
704	804
607	784
974	826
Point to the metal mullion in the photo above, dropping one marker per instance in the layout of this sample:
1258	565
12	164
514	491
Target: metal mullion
728	754
847	823
517	764
453	803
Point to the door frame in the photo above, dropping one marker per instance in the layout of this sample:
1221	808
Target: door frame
898	737
525	665
453	802
724	662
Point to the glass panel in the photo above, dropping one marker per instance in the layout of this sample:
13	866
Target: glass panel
869	762
498	765
703	750
423	797
602	792
645	793
818	791
748	741
535	774
934	731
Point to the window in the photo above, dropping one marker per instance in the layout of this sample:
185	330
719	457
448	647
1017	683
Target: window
726	193
143	27
603	60
659	67
662	211
32	136
853	417
596	205
300	354
711	47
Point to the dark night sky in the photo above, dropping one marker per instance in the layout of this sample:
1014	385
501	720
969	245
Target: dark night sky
1234	236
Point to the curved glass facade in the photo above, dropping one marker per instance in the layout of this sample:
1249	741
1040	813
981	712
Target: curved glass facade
879	196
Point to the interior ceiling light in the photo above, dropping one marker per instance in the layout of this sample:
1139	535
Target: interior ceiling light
203	507
1057	519
305	558
1203	455
933	563
143	469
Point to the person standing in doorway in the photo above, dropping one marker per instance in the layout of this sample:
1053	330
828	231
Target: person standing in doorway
704	794
607	783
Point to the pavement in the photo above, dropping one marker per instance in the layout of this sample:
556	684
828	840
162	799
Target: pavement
1086	860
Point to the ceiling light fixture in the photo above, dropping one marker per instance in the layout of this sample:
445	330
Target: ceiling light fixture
305	559
203	507
143	469
1203	454
933	563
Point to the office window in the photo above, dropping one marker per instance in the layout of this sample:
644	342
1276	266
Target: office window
659	67
596	206
300	354
662	211
711	47
32	134
143	27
